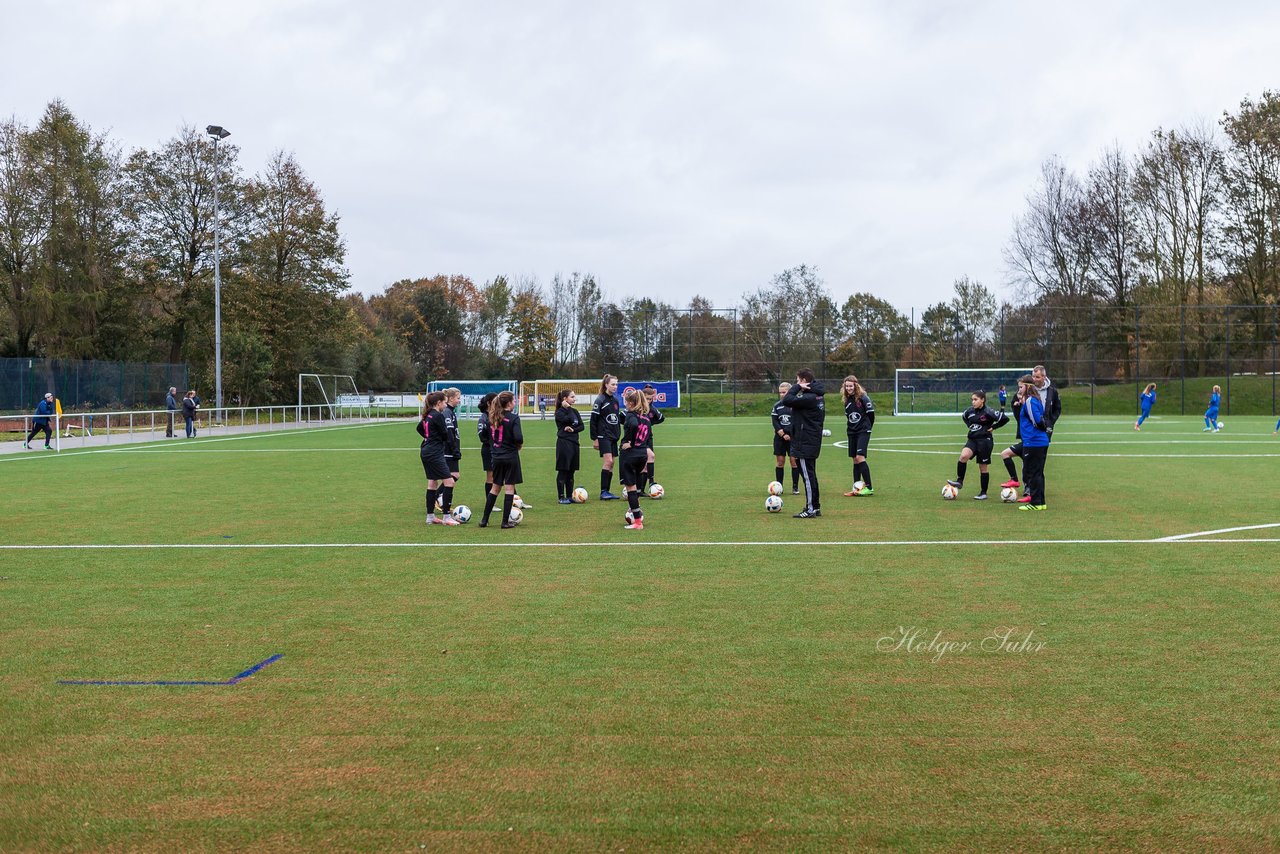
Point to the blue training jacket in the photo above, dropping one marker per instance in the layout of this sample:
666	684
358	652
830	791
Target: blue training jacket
1148	400
1032	414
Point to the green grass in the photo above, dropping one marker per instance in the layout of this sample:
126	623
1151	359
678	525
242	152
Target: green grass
586	695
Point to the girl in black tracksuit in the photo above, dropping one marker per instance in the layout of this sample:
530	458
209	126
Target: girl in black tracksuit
435	444
506	438
655	418
486	450
979	421
634	448
859	416
568	428
604	432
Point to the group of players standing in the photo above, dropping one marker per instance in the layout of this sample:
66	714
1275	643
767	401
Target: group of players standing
624	437
800	412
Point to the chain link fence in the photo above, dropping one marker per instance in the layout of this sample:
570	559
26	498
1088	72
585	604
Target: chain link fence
87	385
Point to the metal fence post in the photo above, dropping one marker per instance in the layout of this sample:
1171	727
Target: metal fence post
1226	362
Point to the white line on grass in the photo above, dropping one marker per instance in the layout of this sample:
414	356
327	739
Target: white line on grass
646	543
1197	534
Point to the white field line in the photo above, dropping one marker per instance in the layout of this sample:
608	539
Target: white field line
643	543
1056	455
1196	534
168	445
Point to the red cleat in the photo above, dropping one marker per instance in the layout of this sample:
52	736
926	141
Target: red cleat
1010	484
1026	499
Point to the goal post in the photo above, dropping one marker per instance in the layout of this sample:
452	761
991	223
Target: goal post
331	396
946	391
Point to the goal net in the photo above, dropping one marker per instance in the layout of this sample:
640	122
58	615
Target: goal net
472	391
946	391
330	397
538	397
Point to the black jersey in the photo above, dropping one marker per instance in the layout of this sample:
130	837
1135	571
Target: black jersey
604	418
454	451
982	421
434	433
781	418
568	424
636	435
655	418
859	415
482	430
506	437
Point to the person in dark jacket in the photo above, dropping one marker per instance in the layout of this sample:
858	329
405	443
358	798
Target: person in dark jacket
189	408
1049	399
40	423
1035	443
781	417
605	428
506	439
171	404
569	427
436	442
979	420
807	399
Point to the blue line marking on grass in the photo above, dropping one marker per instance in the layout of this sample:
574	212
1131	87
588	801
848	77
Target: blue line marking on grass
232	681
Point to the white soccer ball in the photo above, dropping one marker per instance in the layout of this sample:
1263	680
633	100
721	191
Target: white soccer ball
518	502
462	513
1221	424
656	491
628	517
949	492
580	495
859	485
773	504
1008	495
826	432
775	488
517	516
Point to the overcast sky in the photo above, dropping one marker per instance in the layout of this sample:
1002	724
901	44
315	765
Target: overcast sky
670	148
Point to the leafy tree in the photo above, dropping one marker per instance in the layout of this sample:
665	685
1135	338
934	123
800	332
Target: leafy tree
873	334
531	336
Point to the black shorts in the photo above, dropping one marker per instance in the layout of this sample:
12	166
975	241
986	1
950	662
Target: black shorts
486	457
455	464
567	454
435	467
608	446
858	443
633	468
1017	449
781	446
507	472
982	449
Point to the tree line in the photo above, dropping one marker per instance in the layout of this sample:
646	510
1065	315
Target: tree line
109	255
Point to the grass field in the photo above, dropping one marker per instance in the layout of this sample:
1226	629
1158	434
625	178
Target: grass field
903	673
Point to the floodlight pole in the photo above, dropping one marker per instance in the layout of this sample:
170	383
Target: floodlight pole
218	133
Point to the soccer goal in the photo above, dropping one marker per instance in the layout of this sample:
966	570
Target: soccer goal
538	397
946	391
330	397
472	391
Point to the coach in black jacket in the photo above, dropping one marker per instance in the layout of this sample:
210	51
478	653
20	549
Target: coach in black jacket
1048	396
808	412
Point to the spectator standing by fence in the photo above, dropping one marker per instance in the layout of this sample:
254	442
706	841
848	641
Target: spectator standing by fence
171	404
189	406
41	422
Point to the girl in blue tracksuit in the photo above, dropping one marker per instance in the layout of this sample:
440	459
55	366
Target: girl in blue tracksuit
1145	402
1035	443
1211	414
